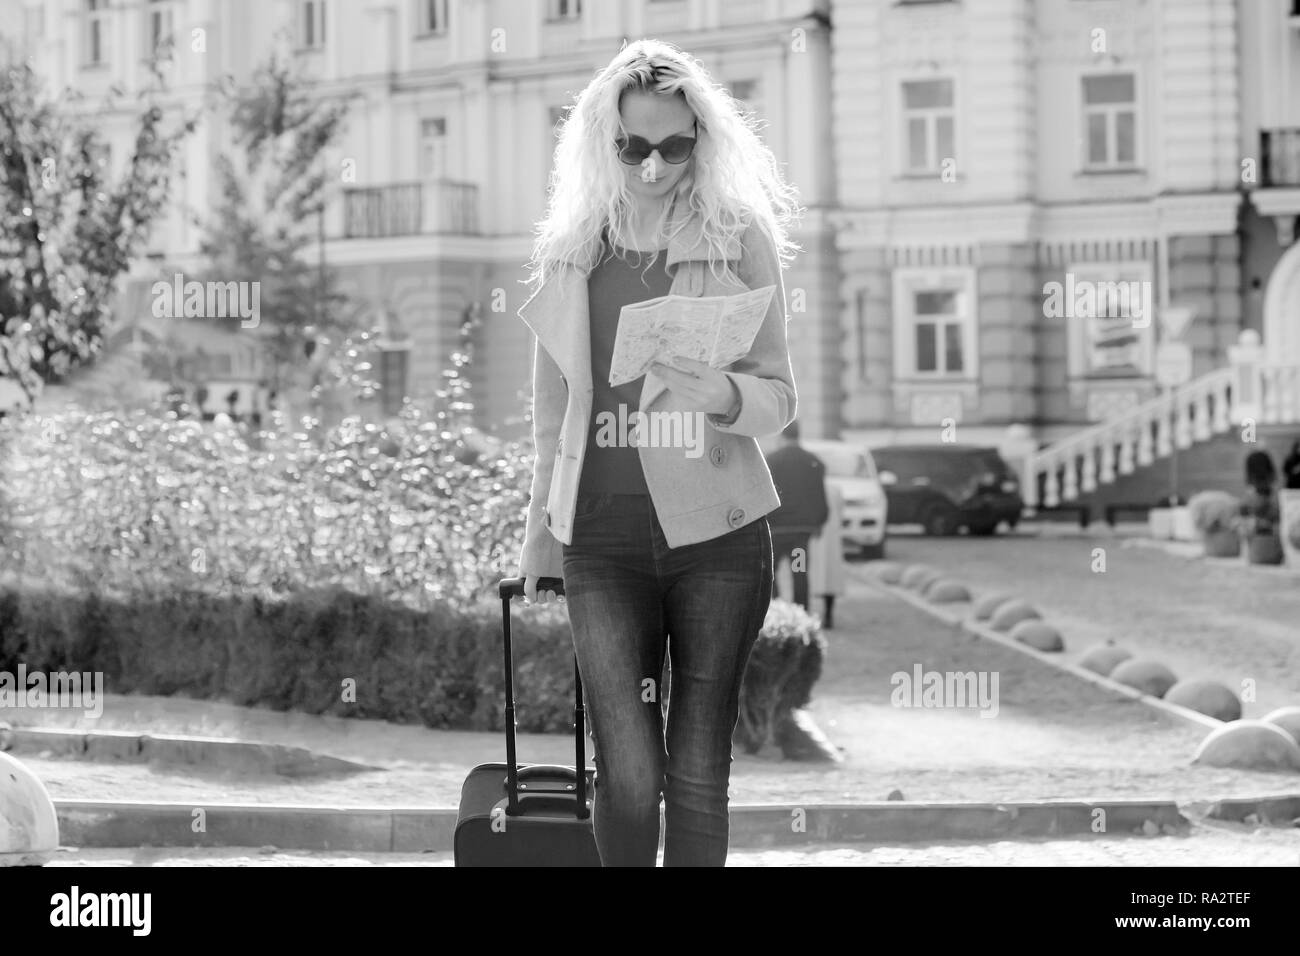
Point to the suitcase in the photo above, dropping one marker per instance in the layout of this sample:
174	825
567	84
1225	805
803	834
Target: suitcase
535	814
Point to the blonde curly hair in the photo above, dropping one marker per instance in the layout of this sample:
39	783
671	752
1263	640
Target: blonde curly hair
734	179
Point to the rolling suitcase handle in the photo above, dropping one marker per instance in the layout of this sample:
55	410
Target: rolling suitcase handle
510	588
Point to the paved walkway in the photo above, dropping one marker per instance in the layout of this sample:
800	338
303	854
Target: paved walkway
1222	845
1204	618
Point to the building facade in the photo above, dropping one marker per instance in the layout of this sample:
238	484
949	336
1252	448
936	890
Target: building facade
443	168
1027	187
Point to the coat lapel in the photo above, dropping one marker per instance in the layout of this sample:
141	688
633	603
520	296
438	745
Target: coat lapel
558	313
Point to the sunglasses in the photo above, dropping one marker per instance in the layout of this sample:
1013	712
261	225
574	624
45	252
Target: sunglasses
675	150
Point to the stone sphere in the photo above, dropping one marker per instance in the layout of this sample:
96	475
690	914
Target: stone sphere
1249	744
890	572
1038	634
1288	718
917	576
1012	613
1147	676
1206	697
985	606
29	827
1103	658
947	591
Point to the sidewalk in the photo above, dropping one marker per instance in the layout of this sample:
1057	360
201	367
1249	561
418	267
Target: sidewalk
1205	846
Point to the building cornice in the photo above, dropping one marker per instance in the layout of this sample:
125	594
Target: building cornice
1014	223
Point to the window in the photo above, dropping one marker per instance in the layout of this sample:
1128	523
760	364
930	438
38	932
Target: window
1109	306
433	16
433	149
1110	121
934	334
928	125
96	32
158	27
313	24
564	9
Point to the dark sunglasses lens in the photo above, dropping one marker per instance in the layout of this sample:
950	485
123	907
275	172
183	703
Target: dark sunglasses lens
632	152
677	149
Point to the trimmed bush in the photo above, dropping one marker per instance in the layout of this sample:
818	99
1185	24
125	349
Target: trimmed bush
1039	635
1205	697
986	606
946	591
784	665
1288	718
1147	676
1012	613
1103	658
1249	744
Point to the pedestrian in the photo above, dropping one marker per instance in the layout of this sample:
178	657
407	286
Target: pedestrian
800	479
826	573
660	185
1291	467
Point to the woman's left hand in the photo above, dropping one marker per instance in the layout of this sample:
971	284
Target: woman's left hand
705	389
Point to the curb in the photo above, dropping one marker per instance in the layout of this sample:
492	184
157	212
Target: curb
218	753
416	830
1052	659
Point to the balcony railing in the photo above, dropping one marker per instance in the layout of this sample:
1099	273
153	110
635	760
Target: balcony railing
435	207
1280	149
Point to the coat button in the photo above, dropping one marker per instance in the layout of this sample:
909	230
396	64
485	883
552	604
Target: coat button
718	455
736	518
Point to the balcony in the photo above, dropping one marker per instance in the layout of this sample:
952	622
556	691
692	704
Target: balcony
1280	151
436	207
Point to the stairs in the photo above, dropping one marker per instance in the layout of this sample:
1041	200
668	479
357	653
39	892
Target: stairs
1125	459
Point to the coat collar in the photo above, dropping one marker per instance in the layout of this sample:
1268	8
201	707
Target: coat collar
557	311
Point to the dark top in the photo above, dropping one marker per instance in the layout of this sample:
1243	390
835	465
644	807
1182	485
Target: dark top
799	477
616	281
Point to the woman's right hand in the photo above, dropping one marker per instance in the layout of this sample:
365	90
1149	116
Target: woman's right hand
530	591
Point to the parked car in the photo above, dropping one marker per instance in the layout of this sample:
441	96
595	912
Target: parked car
852	469
947	487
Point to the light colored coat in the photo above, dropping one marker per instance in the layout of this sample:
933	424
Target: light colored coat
695	499
826	549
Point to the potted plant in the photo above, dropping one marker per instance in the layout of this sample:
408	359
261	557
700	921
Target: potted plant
1216	517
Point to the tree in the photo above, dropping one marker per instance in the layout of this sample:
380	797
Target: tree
272	188
66	233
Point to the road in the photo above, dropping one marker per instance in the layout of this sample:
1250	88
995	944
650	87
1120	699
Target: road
1204	618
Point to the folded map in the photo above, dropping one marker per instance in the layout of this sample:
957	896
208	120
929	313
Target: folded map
717	329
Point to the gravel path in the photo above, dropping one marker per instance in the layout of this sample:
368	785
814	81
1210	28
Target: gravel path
1204	618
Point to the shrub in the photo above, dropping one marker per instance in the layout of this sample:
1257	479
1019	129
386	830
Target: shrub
440	667
1214	511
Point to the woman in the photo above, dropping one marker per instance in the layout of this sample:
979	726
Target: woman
660	185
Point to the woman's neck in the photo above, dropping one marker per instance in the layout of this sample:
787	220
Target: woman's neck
645	222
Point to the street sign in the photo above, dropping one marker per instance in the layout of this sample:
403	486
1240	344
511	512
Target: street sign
1173	363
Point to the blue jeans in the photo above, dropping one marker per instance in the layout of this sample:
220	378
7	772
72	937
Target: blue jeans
630	598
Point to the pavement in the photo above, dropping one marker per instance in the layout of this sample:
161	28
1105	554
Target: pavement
1221	846
1024	786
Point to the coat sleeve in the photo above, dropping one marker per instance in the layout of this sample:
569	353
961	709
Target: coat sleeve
542	553
764	377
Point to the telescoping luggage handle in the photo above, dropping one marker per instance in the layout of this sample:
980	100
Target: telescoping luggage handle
511	588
